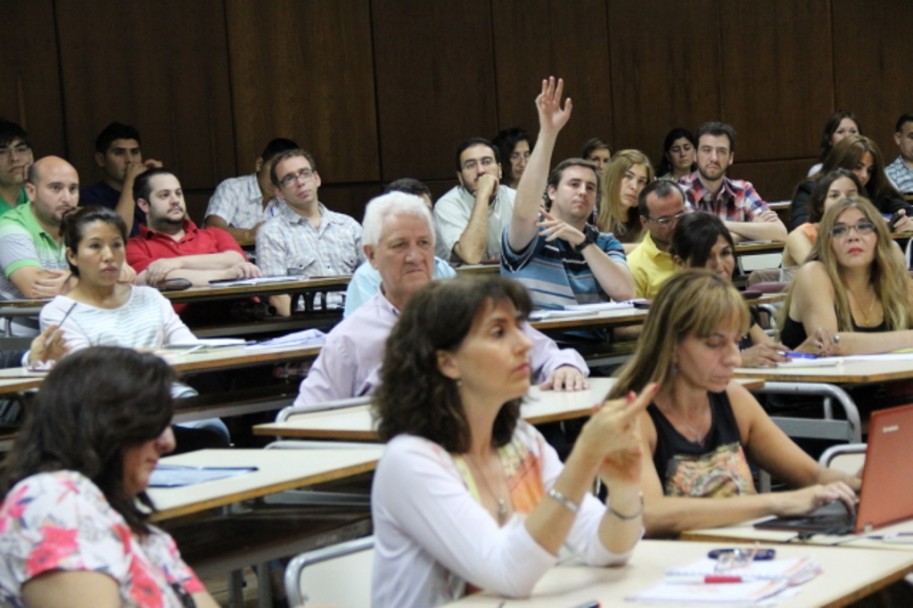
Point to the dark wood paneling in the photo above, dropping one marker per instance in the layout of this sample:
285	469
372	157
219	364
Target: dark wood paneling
665	69
872	65
29	73
435	82
160	66
304	70
534	40
774	180
776	79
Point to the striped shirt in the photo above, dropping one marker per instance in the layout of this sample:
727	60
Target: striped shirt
23	242
239	202
900	175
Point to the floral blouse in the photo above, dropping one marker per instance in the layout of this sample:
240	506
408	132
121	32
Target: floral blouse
61	521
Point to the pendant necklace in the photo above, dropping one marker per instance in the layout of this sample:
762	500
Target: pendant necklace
502	504
865	314
698	437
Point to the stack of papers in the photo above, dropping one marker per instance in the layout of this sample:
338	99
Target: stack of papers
307	337
759	580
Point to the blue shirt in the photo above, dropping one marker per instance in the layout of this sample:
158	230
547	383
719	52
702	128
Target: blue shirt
365	283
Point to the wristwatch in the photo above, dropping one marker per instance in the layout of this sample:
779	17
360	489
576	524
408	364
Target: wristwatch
590	233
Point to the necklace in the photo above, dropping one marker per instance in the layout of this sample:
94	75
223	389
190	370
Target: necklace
698	436
502	504
865	314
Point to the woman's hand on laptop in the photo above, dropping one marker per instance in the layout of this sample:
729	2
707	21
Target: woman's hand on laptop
806	500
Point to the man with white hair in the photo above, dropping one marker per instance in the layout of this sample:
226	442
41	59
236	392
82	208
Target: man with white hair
399	243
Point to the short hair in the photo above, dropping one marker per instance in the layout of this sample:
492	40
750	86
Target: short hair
556	175
694	237
142	188
505	142
84	417
414	396
612	216
717	129
74	222
830	127
474	141
665	165
887	276
11	131
847	153
661	188
114	131
904	119
409	185
293	153
822	185
276	147
690	303
593	144
392	203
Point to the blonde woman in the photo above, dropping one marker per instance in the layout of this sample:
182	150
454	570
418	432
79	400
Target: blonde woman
627	174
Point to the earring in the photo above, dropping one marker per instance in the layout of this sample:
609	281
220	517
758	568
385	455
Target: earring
458	382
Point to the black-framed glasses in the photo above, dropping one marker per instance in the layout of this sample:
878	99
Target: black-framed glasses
293	178
862	228
667	221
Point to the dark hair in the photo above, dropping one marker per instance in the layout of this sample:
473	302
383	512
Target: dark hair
142	189
414	396
276	147
95	404
822	185
662	188
475	141
114	131
11	131
847	153
904	119
593	144
409	185
505	141
695	235
554	177
830	127
73	224
665	165
718	129
293	153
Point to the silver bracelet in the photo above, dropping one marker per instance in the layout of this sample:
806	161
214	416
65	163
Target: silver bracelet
623	517
565	502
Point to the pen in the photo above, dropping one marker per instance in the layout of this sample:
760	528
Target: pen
710	579
59	325
590	604
794	355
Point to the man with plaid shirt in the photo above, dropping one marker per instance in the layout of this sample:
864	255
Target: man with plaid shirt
735	201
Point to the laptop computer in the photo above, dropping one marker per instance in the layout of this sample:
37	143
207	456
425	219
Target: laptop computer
887	482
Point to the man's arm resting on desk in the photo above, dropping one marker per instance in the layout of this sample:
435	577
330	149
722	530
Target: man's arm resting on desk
35	282
758	230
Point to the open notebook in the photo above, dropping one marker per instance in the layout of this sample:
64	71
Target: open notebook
887	482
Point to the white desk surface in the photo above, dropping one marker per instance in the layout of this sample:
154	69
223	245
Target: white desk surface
846	371
841	582
277	470
746	532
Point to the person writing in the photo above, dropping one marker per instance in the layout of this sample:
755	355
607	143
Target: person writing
702	428
75	510
489	503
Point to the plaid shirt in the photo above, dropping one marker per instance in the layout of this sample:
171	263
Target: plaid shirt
737	200
900	175
289	241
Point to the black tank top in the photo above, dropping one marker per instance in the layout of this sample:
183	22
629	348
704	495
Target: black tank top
793	332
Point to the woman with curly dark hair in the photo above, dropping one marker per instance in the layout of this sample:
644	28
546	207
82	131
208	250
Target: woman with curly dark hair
74	533
488	503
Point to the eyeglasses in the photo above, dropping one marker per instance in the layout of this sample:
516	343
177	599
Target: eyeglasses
516	157
861	228
6	152
667	221
293	178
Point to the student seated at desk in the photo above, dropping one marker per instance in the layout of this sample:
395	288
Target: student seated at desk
701	240
74	516
702	428
853	295
489	503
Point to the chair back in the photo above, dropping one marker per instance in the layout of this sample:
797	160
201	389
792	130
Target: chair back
338	575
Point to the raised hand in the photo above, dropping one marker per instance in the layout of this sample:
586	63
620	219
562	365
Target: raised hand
552	117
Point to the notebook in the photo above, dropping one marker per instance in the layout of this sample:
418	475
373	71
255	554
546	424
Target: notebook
887	489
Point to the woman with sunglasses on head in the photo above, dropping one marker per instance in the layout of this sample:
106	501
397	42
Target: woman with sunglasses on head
626	175
853	294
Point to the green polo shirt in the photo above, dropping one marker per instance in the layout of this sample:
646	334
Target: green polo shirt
21	200
23	242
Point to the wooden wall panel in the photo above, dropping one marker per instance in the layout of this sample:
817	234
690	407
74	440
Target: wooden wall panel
872	65
29	73
160	66
435	82
665	69
304	70
547	37
776	77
